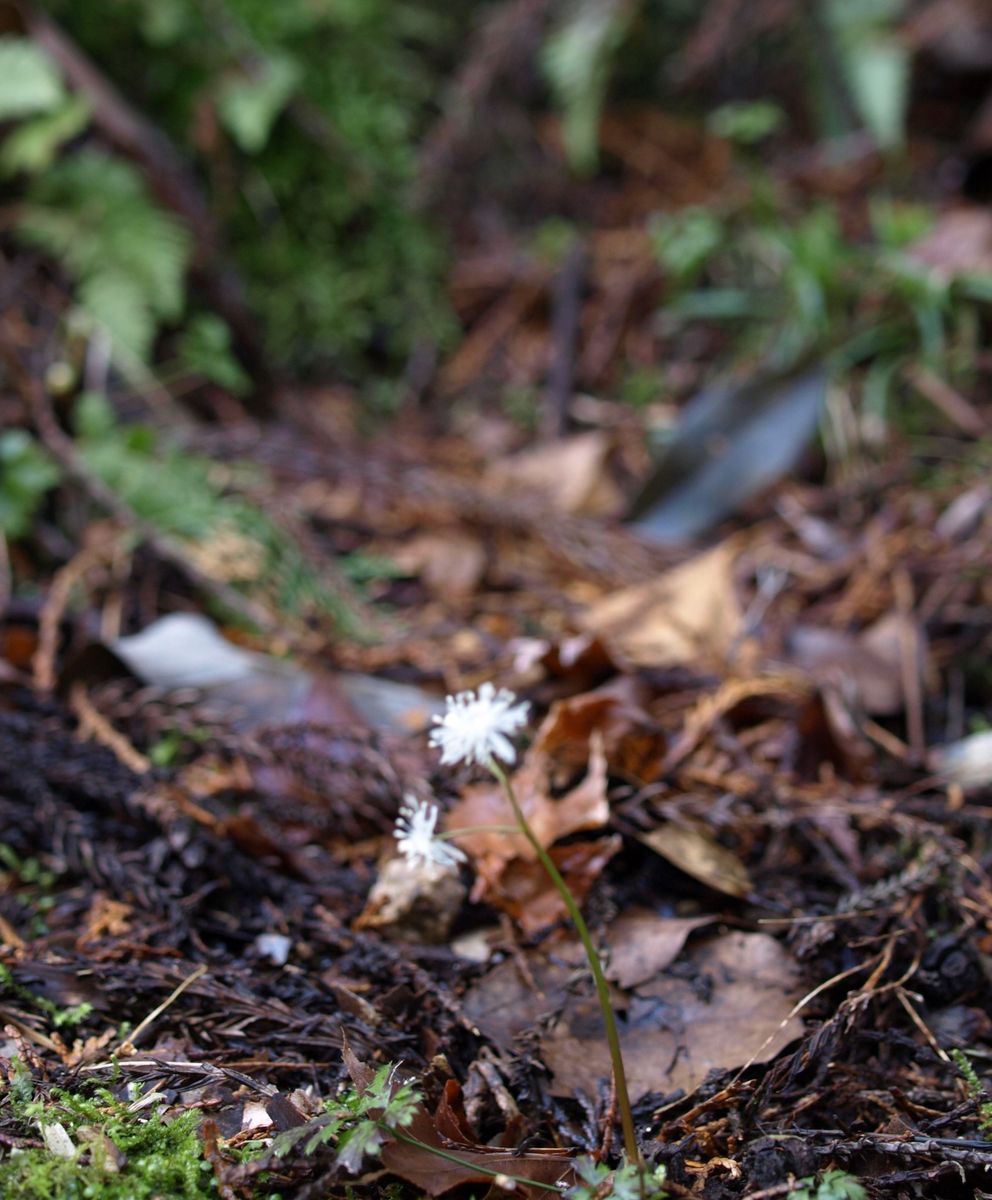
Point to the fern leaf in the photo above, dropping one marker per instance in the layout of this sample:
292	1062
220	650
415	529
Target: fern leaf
33	145
29	82
129	258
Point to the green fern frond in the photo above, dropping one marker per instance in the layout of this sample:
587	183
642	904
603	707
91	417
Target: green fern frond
94	214
29	82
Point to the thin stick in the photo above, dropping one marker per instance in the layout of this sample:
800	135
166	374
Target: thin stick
157	1012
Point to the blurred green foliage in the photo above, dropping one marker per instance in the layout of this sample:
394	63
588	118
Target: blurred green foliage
26	474
209	507
301	118
798	284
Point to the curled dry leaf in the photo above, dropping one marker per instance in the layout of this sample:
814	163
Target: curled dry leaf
633	743
580	662
528	895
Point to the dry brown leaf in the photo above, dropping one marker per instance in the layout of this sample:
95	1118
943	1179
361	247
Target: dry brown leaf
451	564
580	661
633	743
528	895
571	474
736	1009
583	807
693	849
642	944
867	666
687	613
731	693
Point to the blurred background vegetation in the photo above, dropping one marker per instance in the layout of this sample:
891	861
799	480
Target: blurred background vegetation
308	128
389	193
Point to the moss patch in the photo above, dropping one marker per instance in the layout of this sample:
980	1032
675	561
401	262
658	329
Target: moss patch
117	1154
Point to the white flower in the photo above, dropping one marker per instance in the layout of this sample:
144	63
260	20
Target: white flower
478	728
417	840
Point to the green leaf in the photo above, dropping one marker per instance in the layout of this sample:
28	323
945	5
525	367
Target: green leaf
205	350
577	61
364	1138
33	145
878	70
249	107
684	242
119	306
876	63
29	82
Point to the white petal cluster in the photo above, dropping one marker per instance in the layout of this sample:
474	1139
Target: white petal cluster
416	835
478	728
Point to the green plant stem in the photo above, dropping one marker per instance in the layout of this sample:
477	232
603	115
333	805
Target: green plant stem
592	954
462	1162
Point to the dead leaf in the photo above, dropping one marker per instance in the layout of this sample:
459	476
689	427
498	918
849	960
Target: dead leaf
581	662
572	474
728	696
633	743
451	564
867	667
730	1002
583	807
528	895
734	1010
642	944
687	613
694	850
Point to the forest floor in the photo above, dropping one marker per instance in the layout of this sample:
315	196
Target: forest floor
760	758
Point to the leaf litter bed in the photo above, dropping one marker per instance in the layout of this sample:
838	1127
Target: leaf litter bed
735	761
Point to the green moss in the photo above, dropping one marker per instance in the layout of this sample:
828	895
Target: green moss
119	1154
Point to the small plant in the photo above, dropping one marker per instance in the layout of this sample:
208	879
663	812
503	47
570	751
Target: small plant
477	728
197	501
831	1185
26	474
627	1182
59	1018
975	1090
357	1122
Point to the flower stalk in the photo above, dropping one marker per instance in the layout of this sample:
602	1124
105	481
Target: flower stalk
592	955
478	728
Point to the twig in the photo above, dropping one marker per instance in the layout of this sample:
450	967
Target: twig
128	1043
53	610
566	310
96	725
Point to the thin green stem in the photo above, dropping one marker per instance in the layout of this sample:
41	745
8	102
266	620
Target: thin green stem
592	954
401	1136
